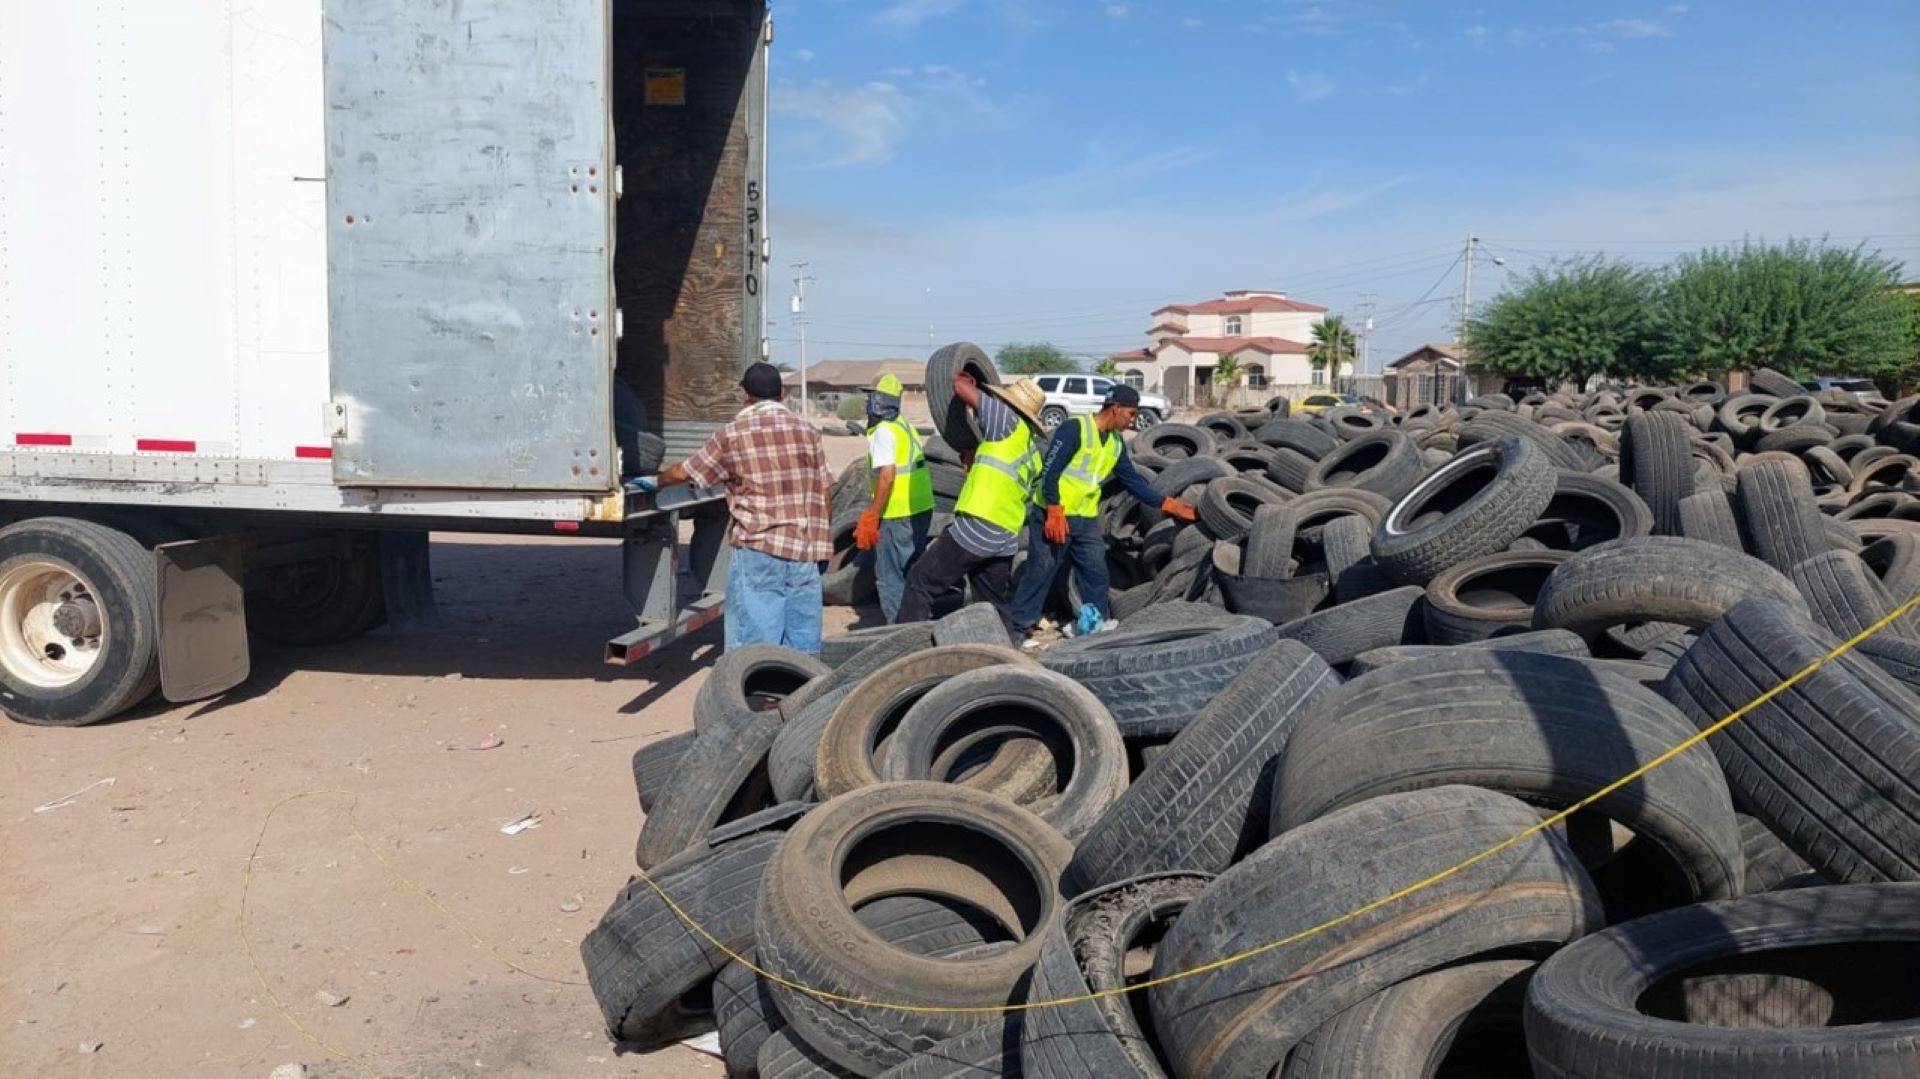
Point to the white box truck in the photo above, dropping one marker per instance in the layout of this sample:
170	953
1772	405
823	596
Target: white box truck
285	284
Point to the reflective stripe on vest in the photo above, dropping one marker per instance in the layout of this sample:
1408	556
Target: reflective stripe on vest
1092	463
912	483
1000	484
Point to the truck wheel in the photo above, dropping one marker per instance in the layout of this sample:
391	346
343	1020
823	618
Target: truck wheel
79	624
321	601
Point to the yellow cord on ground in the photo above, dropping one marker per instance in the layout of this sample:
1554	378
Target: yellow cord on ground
1358	912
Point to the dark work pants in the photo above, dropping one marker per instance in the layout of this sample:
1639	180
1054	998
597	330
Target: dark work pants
943	567
1086	548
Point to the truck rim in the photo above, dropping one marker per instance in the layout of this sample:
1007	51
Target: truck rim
51	625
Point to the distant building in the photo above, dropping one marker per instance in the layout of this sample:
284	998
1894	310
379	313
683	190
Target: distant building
1267	333
1432	374
828	379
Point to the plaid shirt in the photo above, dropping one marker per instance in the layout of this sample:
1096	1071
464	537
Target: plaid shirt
777	478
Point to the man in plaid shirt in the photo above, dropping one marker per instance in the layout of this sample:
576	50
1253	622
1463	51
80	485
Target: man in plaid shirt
776	476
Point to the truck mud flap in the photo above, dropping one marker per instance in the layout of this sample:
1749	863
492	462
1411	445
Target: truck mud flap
203	617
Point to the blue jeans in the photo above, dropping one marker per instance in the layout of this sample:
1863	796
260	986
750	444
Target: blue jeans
1086	548
902	539
772	601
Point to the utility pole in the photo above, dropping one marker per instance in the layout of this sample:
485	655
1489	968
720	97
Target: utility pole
800	281
1366	328
1466	313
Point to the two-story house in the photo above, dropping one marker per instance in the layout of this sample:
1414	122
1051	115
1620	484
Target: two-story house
1267	333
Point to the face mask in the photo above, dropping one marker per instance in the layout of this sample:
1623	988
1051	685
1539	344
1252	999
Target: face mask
882	407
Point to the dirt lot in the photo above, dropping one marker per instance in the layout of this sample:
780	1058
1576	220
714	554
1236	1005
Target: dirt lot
123	906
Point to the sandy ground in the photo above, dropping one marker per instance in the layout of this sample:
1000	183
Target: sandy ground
122	908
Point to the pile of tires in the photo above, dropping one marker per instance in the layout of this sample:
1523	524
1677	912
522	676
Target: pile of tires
1295	801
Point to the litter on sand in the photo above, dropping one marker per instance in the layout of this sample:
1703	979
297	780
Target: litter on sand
520	824
62	803
493	741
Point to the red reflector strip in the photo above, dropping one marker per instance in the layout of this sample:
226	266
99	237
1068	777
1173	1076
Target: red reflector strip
313	453
42	440
163	445
566	526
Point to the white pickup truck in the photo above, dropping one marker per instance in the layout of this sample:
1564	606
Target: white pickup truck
1071	395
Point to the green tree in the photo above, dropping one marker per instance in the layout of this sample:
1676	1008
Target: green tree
1108	368
1569	320
1910	372
1227	373
1332	346
1032	358
1802	307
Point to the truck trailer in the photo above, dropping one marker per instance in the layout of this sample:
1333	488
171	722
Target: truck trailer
287	284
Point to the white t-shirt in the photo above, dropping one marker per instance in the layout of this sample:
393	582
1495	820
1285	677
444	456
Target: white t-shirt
883	448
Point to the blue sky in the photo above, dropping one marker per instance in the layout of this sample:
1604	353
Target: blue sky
996	170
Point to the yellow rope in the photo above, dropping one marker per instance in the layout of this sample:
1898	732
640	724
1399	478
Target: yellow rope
1358	912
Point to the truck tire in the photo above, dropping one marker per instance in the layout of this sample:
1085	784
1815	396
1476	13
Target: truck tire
1205	801
954	419
1524	725
79	622
935	839
1153	681
655	765
1656	464
1340	633
1653	579
1475	504
1463	1019
1487	596
1085	760
752	679
1779	519
853	742
1807	760
1086	953
646	970
1706	515
1244	1019
320	601
1386	463
1818	981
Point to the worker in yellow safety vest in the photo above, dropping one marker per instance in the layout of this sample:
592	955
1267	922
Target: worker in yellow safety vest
896	522
1064	523
978	546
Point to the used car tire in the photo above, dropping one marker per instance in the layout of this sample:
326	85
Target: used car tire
1586	511
1342	632
1652	579
1154	680
1206	799
1846	598
1817	981
1488	596
1706	515
1475	504
1463	1019
1547	730
720	778
1545	642
1779	519
955	421
1178	441
936	839
1657	465
752	679
1245	1018
1808	760
1385	462
1226	509
656	763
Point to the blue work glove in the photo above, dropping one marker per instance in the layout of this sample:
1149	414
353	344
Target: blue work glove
1089	619
644	483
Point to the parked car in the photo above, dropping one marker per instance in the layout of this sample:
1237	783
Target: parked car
1316	403
1070	395
1862	388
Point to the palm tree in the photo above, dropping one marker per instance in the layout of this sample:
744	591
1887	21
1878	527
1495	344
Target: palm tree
1227	374
1332	346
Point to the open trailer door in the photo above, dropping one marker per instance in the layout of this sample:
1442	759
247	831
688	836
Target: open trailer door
469	243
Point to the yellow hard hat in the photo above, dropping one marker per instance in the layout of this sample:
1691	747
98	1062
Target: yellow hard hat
888	386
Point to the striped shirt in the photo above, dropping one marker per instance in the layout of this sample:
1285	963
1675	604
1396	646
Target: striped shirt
975	536
776	475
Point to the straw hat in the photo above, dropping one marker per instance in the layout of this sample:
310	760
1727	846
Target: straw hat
1024	397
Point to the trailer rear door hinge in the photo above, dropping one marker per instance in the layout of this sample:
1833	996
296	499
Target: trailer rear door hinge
335	419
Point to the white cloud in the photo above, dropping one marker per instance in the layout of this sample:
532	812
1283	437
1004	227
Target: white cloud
1117	11
1634	29
1599	48
905	16
1310	85
855	125
1192	23
805	56
1401	89
1477	35
1677	9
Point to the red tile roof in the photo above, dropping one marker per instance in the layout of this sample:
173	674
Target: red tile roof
1136	354
1248	305
1228	345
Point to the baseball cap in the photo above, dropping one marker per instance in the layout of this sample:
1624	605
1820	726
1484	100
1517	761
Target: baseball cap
762	381
1123	395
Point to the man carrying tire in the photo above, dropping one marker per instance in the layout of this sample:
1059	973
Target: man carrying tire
978	547
896	522
776	476
1064	521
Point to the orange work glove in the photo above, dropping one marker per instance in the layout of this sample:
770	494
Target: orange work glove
1056	525
1173	507
866	534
